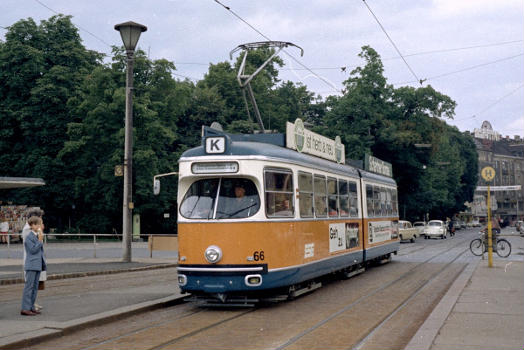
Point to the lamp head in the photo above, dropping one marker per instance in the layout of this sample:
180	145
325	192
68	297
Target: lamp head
130	33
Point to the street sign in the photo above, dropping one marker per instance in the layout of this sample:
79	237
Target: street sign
119	170
488	173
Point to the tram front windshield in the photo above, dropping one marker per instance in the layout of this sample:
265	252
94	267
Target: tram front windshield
220	198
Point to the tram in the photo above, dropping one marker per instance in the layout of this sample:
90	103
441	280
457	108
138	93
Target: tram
261	221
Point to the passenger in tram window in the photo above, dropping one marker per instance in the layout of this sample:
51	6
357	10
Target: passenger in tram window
283	207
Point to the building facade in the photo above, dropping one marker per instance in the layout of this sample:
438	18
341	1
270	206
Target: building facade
506	156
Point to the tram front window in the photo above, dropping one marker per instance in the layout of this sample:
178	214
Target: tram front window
238	198
199	200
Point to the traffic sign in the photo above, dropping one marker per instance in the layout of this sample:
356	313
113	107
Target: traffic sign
488	173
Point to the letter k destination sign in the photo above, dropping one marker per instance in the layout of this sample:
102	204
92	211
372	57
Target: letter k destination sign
215	145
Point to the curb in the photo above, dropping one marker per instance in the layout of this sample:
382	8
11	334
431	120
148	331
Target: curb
426	334
58	329
89	273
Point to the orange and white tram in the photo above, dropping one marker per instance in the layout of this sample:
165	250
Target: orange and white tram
257	219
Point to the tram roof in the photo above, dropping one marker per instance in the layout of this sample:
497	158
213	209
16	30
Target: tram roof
271	151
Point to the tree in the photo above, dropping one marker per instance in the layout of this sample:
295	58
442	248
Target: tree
41	68
373	117
96	140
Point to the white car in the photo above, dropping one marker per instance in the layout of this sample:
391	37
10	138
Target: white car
420	226
406	231
436	228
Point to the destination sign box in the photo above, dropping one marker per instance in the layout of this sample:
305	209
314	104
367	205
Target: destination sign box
306	141
378	166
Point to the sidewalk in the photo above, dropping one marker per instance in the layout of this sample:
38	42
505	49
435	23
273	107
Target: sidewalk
66	311
483	309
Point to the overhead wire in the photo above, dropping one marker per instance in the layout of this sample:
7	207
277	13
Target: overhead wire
85	30
185	76
462	70
421	81
100	39
455	49
346	69
492	104
283	50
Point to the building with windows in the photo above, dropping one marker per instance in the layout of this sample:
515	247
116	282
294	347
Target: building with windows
506	156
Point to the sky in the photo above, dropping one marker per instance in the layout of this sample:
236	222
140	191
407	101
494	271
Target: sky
470	50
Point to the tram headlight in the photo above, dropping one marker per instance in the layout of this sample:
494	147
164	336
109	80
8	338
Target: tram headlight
182	280
213	254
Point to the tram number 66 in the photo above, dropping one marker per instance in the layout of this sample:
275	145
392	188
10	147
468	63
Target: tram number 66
258	255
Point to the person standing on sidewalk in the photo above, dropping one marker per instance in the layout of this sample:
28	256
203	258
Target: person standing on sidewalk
4	230
34	265
25	231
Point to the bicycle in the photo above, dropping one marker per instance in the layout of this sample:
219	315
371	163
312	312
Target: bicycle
479	246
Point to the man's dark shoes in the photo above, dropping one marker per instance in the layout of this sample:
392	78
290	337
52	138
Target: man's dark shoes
36	311
27	313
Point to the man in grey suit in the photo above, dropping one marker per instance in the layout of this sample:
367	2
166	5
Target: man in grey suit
25	231
34	265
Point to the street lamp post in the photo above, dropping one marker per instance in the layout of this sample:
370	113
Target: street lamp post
130	33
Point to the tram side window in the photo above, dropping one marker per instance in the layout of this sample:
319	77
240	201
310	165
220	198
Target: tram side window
376	201
319	187
305	190
279	193
394	202
389	206
199	201
383	200
343	198
369	200
332	197
353	199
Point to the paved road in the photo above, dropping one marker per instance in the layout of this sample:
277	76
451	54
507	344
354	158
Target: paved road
74	301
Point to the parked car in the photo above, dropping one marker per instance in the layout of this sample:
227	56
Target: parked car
406	231
420	226
519	226
436	228
476	223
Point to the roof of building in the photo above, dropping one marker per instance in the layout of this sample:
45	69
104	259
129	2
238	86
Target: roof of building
502	147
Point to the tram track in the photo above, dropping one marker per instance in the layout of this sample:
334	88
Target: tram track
383	287
185	325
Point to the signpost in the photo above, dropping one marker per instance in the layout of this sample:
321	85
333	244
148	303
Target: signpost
488	174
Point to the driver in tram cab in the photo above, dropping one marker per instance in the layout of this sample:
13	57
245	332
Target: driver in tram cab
241	206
